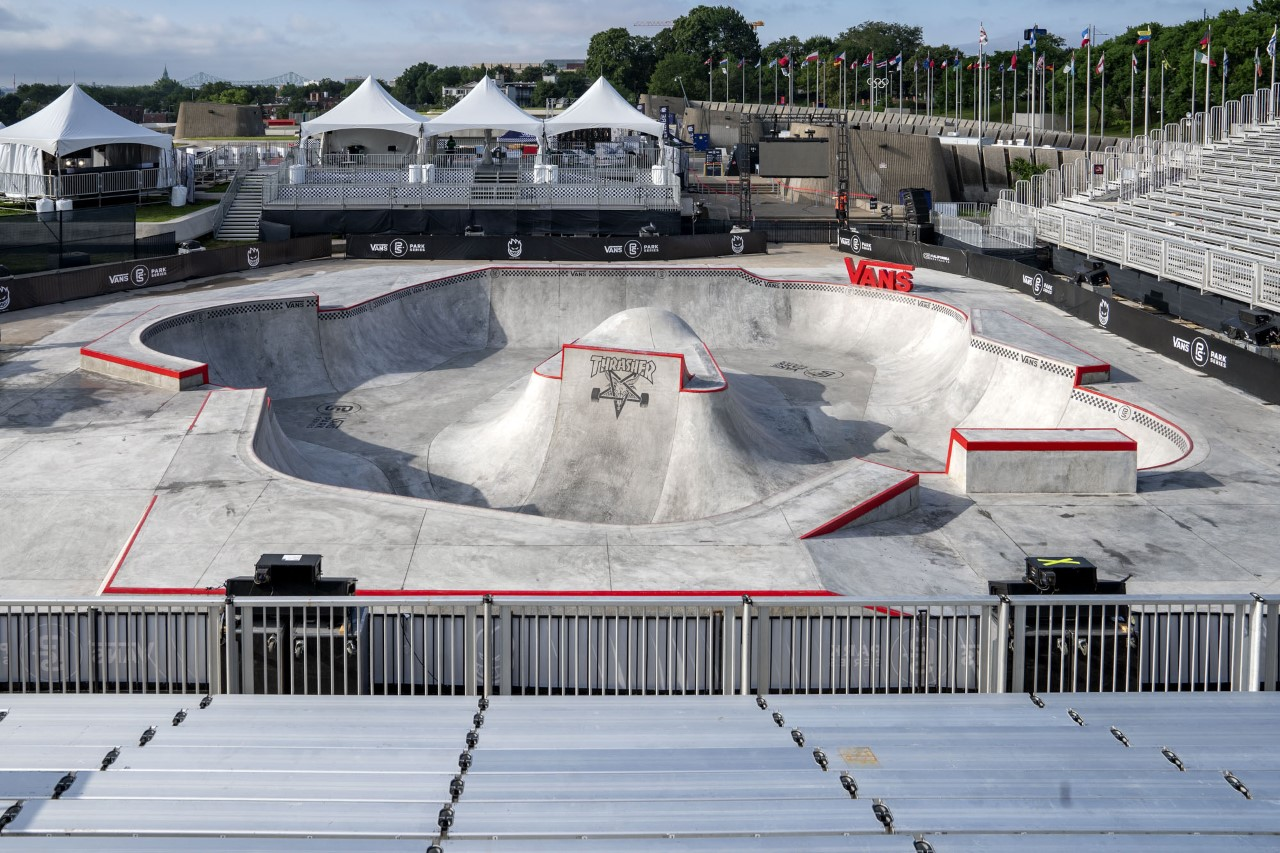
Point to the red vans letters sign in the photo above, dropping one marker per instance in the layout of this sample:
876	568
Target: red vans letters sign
881	274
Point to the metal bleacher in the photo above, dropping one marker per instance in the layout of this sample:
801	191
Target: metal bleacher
1190	202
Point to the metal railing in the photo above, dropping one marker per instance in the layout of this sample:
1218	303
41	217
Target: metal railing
246	162
678	646
1179	152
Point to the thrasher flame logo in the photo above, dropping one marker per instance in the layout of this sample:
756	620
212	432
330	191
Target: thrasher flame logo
623	373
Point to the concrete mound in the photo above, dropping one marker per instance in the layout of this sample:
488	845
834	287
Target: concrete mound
633	423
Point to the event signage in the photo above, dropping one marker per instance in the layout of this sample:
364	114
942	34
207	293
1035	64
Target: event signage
882	274
540	248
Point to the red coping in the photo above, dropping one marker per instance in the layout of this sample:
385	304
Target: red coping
856	512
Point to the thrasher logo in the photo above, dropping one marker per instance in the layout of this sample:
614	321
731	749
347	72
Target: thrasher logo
514	248
623	374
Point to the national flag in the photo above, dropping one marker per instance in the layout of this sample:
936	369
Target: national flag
982	34
1040	63
710	59
944	65
784	61
1134	57
1085	36
884	63
1049	68
1071	66
740	61
813	57
1032	41
1224	60
1002	67
929	64
724	62
724	66
758	61
1165	66
1271	45
897	60
1101	60
971	66
866	63
1204	42
1203	59
839	58
773	62
1257	64
1144	36
1013	62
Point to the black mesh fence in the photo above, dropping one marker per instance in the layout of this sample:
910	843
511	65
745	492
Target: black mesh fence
67	238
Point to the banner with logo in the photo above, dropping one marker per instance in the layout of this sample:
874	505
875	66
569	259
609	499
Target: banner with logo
534	248
49	288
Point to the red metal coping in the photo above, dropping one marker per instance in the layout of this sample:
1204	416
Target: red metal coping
1128	444
871	503
200	370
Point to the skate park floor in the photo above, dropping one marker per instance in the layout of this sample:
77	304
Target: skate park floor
101	487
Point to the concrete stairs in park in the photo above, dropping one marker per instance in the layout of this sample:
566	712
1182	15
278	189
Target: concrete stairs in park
241	221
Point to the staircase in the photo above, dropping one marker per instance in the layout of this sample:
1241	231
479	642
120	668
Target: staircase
241	221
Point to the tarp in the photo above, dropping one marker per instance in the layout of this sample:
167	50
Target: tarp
602	106
369	107
73	122
486	107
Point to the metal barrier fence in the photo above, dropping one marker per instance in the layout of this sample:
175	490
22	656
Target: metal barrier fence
691	646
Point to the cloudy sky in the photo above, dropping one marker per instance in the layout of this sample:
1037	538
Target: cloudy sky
132	42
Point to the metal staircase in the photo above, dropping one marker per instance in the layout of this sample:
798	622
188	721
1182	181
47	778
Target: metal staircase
241	220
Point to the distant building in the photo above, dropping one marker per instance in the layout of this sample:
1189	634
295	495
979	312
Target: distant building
520	93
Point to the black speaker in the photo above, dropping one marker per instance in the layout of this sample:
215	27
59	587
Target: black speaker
289	574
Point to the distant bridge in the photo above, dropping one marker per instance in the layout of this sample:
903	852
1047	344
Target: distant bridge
197	80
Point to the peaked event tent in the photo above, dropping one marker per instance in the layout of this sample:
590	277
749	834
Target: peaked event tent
602	106
73	122
486	107
369	108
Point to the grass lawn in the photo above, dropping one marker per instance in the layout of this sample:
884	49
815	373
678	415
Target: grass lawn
165	212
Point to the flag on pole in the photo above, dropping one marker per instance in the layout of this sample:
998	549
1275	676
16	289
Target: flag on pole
1101	60
1013	62
1203	59
1144	36
897	60
839	58
813	57
1165	66
982	34
1257	64
724	66
1271	45
710	59
929	64
740	61
884	63
773	62
1040	63
1224	60
944	64
1204	42
1084	37
1134	64
758	61
866	63
1071	66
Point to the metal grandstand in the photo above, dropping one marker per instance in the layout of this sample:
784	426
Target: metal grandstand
1189	202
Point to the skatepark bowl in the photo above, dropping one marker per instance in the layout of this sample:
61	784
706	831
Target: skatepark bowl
631	396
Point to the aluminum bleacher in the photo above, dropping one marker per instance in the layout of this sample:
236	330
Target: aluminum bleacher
1201	188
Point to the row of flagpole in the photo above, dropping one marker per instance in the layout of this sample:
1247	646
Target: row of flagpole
982	104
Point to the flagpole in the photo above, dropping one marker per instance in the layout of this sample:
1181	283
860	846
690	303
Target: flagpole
1271	51
1208	55
1031	97
1014	60
1102	94
711	68
1163	63
1223	99
742	63
1133	73
1146	92
1088	87
900	80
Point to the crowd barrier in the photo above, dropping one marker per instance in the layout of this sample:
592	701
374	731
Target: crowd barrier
49	288
1209	355
657	248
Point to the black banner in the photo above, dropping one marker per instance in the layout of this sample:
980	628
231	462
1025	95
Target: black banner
63	286
1206	353
496	221
674	248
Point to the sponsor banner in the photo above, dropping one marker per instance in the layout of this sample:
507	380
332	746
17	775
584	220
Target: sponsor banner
942	258
81	282
536	248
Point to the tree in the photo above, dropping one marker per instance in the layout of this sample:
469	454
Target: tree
719	30
675	68
9	105
624	60
416	85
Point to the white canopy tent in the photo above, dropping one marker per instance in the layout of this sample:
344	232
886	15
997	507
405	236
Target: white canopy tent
486	107
602	106
369	117
73	123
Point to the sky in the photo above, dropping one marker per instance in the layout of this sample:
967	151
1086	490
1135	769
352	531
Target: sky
129	43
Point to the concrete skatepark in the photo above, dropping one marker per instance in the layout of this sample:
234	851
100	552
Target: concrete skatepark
406	421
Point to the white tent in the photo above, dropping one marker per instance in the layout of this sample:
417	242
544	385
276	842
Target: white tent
75	122
602	106
367	116
486	107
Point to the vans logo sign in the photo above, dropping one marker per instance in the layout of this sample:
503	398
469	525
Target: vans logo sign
880	274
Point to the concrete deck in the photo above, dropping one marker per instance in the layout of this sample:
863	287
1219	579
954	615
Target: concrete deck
111	484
